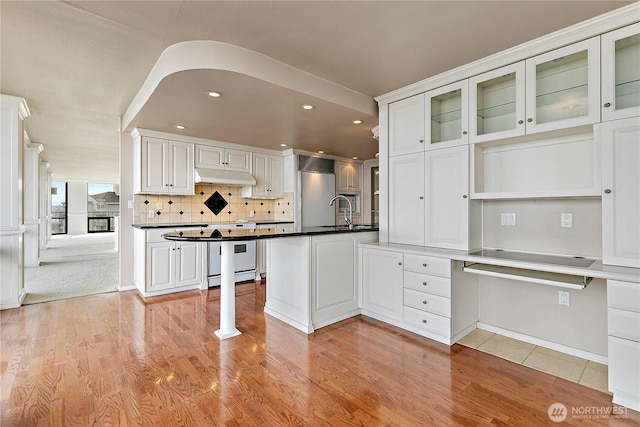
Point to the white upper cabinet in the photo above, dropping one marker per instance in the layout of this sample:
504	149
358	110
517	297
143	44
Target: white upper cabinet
621	191
163	166
268	171
222	158
446	198
406	199
621	73
446	116
563	87
496	104
406	126
348	177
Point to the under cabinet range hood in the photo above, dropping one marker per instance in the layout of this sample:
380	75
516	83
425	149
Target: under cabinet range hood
219	176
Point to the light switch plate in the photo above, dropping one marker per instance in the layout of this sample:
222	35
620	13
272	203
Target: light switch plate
566	220
151	213
130	204
508	219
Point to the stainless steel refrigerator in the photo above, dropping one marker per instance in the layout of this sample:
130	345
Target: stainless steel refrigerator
316	187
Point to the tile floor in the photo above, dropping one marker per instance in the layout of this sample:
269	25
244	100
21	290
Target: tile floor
576	369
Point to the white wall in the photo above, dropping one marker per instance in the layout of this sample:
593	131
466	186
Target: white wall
538	226
76	207
533	310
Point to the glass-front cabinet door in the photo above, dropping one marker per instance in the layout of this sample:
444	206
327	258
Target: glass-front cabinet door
563	87
446	116
496	103
621	73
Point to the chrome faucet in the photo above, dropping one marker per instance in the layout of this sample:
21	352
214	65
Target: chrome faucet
349	220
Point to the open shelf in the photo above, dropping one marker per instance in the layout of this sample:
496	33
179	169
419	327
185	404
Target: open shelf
533	167
497	110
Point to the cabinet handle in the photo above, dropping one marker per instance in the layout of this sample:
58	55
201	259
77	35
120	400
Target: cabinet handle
529	120
424	264
520	122
464	196
421	198
464	132
424	283
607	191
424	321
421	141
424	302
607	104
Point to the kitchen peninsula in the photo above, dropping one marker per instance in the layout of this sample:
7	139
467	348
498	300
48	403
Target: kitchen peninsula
313	272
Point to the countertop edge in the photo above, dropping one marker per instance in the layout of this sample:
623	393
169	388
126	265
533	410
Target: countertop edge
172	236
597	270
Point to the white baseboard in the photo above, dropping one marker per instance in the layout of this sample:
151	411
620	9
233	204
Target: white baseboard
544	343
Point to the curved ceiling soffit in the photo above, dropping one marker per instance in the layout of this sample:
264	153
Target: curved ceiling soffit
205	54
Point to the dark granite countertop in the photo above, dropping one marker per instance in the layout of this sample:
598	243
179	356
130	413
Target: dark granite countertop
165	225
234	234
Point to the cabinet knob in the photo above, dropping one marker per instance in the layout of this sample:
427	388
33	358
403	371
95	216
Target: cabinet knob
421	141
464	132
520	122
464	196
607	104
424	283
529	120
399	263
424	302
424	320
607	191
421	197
424	264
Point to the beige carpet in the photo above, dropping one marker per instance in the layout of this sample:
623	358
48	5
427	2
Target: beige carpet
73	266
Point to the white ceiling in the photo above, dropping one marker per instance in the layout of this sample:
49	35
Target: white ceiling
80	64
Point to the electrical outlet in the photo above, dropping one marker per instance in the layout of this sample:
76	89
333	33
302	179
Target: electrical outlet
130	204
566	220
564	298
151	213
508	219
252	214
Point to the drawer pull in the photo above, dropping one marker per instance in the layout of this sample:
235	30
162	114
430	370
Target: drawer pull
424	264
424	302
424	283
424	321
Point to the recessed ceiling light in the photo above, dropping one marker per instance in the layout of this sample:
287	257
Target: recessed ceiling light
357	122
181	127
307	107
214	94
320	152
283	145
355	157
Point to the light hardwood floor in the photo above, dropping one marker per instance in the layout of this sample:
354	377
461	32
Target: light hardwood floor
115	359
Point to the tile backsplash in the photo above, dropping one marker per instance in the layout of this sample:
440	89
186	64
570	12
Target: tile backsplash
171	209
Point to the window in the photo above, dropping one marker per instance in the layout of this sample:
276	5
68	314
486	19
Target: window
103	204
58	207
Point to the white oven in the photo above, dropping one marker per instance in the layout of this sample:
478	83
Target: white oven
244	258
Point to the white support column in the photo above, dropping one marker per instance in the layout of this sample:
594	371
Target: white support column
13	111
44	205
31	196
227	294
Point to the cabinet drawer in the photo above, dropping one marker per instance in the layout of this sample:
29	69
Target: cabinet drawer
624	324
427	302
623	295
428	321
426	283
428	265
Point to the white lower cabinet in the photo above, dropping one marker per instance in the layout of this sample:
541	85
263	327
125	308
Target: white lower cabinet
623	302
312	281
163	266
382	284
418	293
